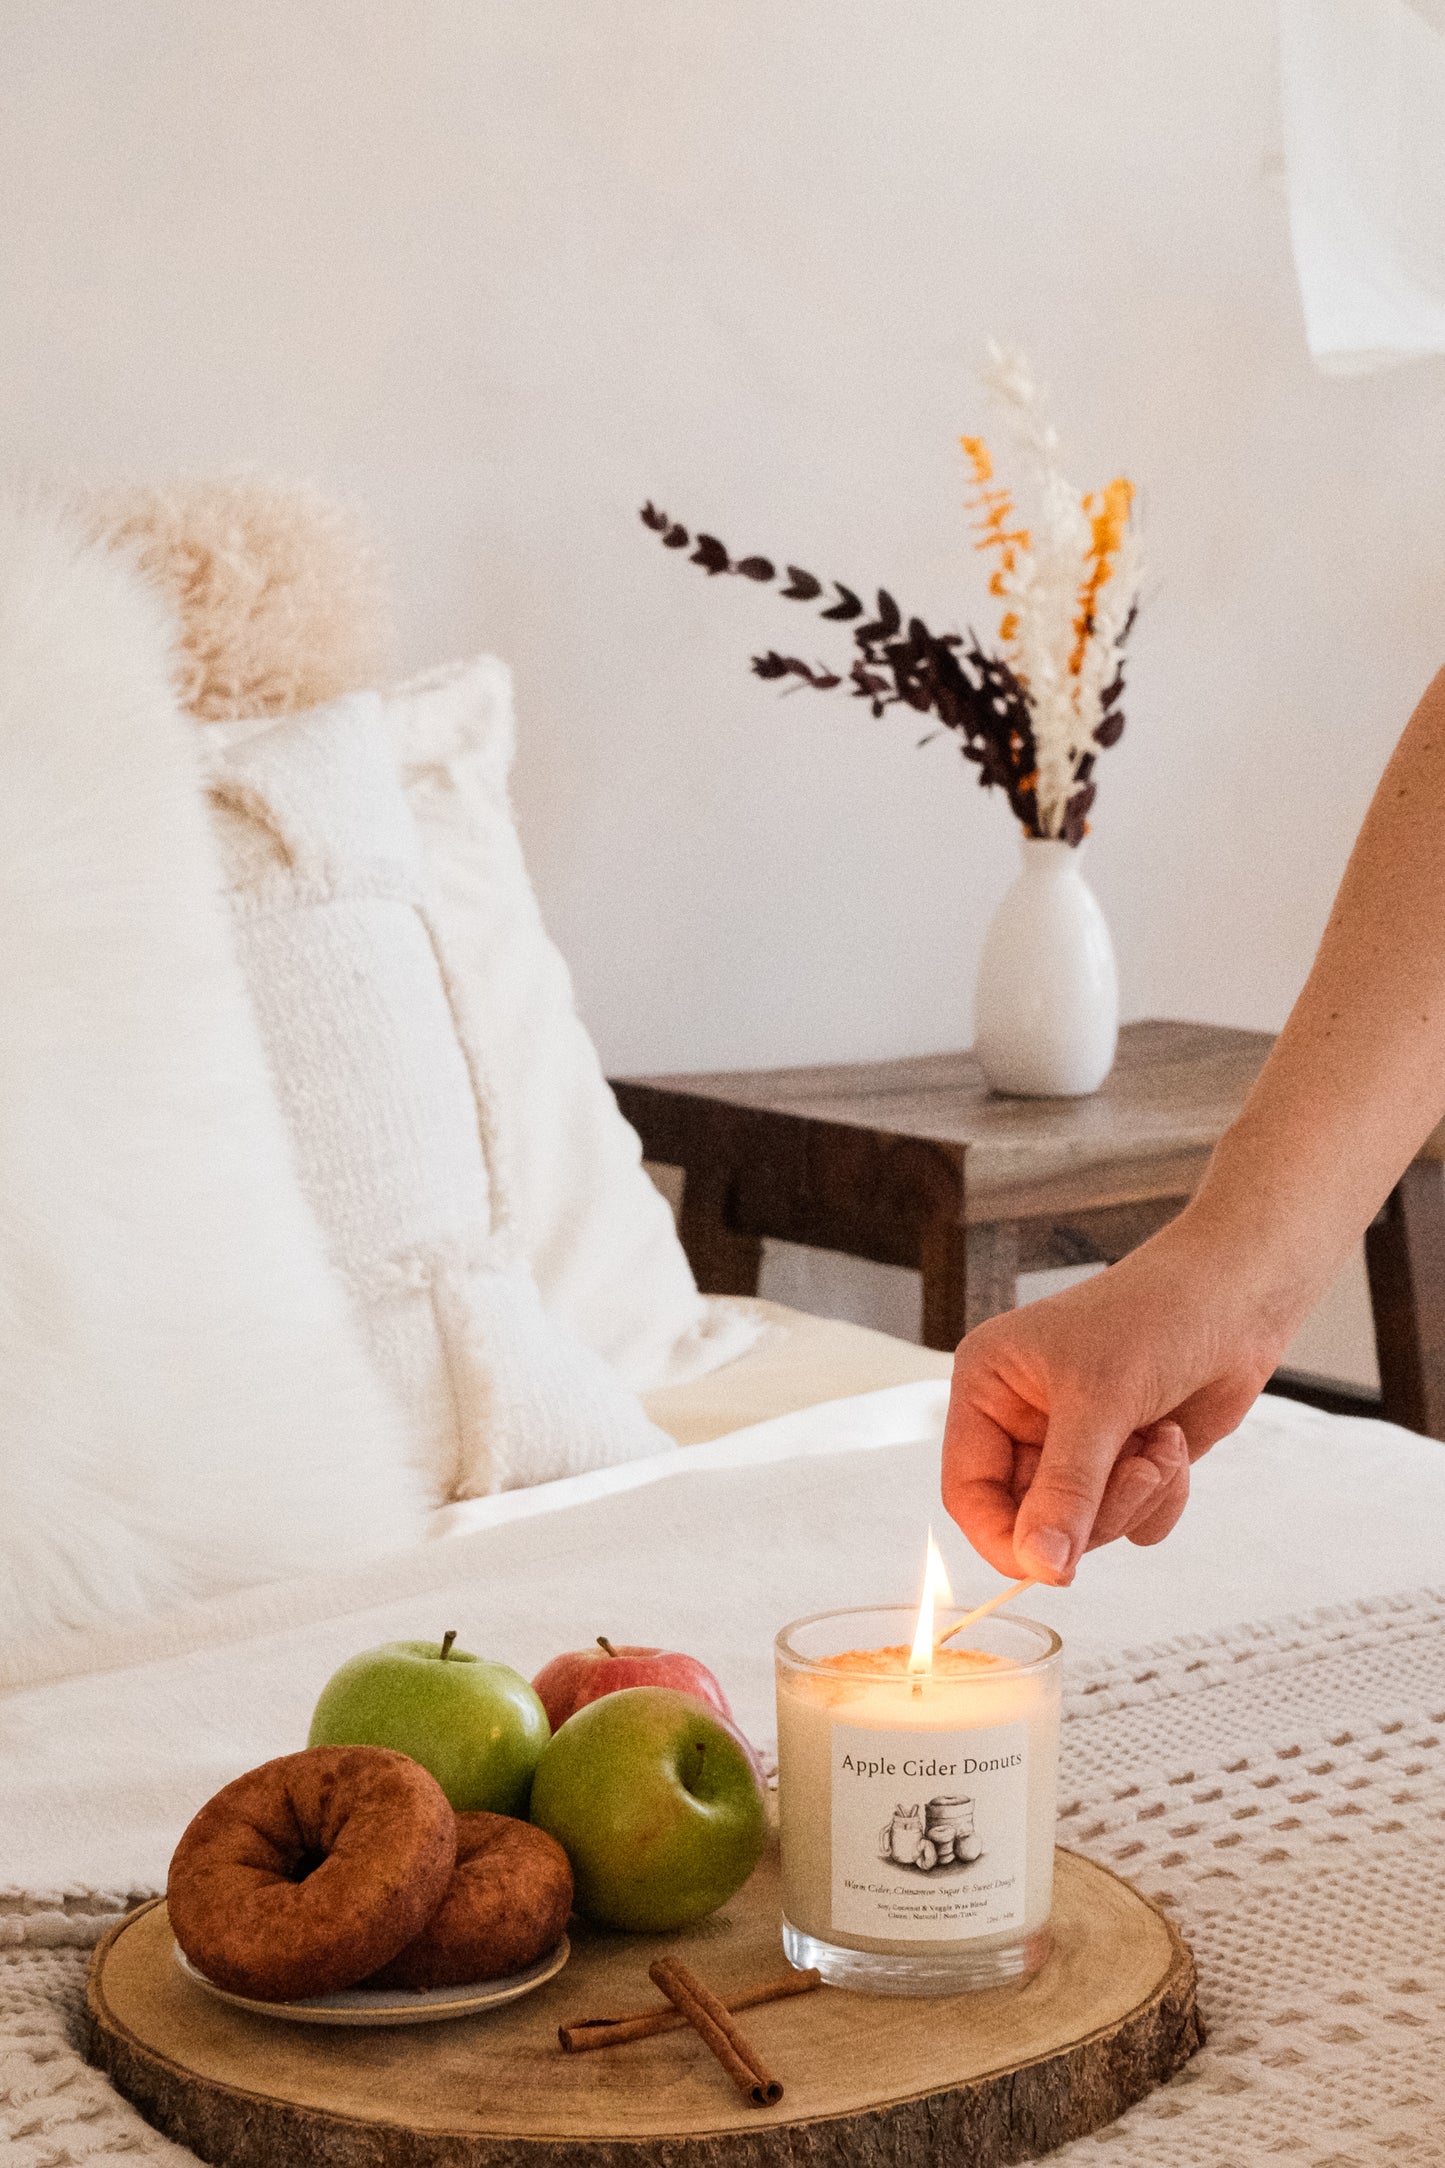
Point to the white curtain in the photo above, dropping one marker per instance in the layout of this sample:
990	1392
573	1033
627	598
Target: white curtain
1364	129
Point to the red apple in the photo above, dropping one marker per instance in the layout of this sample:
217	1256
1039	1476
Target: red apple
569	1682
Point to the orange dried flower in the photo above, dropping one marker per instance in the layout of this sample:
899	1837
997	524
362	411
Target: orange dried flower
993	510
1108	511
980	458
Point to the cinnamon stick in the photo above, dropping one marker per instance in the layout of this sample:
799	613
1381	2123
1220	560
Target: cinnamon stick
712	2021
586	2033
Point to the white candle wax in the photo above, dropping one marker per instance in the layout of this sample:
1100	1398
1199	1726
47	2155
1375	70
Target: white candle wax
917	1808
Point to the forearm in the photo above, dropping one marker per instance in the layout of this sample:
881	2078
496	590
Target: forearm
1054	1405
1356	1080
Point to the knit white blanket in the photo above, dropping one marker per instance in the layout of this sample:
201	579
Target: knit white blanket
1280	1787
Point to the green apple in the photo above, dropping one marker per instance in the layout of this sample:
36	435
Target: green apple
477	1726
657	1803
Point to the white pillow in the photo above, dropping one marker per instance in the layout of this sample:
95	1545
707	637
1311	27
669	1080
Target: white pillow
600	1239
390	1109
185	1407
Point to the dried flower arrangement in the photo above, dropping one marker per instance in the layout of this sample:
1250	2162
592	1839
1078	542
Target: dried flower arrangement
1034	715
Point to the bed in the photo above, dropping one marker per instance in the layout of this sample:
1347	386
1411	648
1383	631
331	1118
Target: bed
1253	1714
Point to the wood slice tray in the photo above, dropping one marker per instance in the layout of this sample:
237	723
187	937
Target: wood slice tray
969	2080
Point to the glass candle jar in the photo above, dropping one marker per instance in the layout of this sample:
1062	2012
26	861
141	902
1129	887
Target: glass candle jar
917	1806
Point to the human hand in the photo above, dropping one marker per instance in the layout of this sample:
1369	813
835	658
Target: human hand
1074	1421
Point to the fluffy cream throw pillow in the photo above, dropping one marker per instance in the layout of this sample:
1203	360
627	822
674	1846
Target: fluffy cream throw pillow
184	1403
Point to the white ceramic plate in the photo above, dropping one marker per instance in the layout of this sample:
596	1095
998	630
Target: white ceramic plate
391	2005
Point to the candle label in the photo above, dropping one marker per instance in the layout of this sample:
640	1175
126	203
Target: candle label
930	1832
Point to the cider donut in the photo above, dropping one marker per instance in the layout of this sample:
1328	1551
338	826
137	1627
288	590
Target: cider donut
506	1905
306	1874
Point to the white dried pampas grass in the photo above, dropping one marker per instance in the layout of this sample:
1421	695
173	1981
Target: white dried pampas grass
1069	583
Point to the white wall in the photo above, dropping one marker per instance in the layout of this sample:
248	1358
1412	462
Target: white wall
505	267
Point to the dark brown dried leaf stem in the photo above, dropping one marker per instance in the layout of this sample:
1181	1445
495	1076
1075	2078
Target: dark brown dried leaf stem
969	692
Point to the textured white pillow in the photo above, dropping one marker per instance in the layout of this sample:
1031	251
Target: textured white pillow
599	1238
390	1109
185	1406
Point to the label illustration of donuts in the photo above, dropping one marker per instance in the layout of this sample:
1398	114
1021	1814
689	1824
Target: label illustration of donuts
938	1835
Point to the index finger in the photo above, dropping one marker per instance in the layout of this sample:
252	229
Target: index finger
1056	1518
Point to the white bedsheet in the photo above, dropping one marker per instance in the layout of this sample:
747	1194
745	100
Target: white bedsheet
109	1742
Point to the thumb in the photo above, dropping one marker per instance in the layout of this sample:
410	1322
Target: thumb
1056	1517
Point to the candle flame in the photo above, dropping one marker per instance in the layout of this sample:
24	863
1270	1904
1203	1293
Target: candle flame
935	1587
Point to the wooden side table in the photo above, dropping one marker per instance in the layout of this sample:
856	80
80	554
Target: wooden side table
916	1163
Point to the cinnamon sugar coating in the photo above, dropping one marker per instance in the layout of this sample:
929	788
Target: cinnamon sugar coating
506	1906
306	1874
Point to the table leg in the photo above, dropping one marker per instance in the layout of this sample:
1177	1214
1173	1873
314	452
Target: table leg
723	1261
1405	1256
969	1274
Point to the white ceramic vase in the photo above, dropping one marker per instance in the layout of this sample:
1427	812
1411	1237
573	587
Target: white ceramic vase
1046	1015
